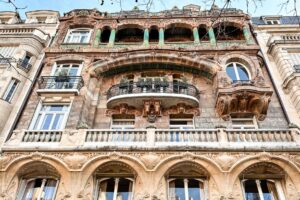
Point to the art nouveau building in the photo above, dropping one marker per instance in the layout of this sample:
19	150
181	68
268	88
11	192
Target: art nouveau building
279	39
175	105
21	54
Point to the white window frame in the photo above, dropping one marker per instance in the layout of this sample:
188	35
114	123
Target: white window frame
96	194
236	71
272	21
182	127
38	110
24	182
55	66
69	34
8	89
122	127
246	126
277	183
204	181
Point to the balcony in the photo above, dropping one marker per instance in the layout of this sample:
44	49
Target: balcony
169	93
60	84
24	65
106	139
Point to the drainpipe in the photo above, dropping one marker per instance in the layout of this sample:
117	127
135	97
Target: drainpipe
272	80
25	100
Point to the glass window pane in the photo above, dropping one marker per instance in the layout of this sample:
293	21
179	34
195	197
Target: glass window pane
56	108
37	190
251	191
194	189
107	189
231	73
49	189
57	122
37	122
11	89
124	189
46	122
179	190
242	73
28	193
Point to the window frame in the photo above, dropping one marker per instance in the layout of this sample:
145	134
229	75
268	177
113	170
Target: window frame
204	181
236	71
277	184
101	179
38	111
244	127
8	90
78	29
182	127
24	183
122	127
56	66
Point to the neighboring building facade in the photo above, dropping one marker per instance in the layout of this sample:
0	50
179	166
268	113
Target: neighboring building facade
279	39
170	105
21	55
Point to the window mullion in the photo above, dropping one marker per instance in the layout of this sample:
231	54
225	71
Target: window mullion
116	188
186	188
261	196
236	72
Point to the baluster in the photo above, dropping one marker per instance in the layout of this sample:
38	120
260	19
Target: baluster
47	138
169	136
59	135
248	136
277	136
26	137
42	137
105	136
235	137
215	137
259	136
88	136
289	136
109	136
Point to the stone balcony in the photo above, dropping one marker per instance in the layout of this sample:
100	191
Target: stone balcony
108	139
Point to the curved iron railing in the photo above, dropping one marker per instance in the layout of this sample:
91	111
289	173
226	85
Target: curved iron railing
61	82
153	87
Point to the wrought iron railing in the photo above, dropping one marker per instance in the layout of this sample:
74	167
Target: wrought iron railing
61	82
24	65
243	82
152	87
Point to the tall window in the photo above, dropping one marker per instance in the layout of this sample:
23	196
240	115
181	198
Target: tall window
38	189
237	72
186	189
78	36
260	190
50	117
114	189
66	70
11	89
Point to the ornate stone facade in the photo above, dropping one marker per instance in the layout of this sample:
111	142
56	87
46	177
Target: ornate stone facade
156	102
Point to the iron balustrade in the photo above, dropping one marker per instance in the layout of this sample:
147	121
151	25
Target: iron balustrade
24	65
61	82
153	87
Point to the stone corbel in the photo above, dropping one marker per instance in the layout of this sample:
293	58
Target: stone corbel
123	108
152	109
182	108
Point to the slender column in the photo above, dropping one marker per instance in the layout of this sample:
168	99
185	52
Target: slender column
212	37
116	188
146	37
196	35
248	35
186	188
98	38
161	37
112	38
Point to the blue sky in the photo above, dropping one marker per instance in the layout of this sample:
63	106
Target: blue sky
269	7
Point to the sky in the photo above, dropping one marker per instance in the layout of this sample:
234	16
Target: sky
268	7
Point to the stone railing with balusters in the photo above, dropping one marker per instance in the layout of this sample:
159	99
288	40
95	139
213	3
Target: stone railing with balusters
151	138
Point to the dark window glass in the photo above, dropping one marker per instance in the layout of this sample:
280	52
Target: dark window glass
251	191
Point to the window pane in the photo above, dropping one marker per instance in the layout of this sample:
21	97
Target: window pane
242	73
231	73
46	122
37	122
124	189
107	189
251	191
179	190
73	71
28	193
56	108
194	189
269	190
57	122
10	90
49	189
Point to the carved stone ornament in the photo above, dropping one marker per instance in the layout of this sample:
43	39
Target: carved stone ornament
123	108
75	160
242	99
182	108
152	109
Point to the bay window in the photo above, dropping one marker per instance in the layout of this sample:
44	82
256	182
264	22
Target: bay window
38	189
50	117
114	189
186	189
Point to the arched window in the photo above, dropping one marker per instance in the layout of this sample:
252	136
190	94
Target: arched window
178	33
78	36
187	181
130	34
115	181
237	72
105	34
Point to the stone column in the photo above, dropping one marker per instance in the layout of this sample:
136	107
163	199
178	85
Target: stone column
146	37
161	37
212	37
196	35
112	38
97	38
247	35
116	188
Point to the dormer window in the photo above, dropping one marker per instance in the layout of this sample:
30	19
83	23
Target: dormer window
78	36
273	22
